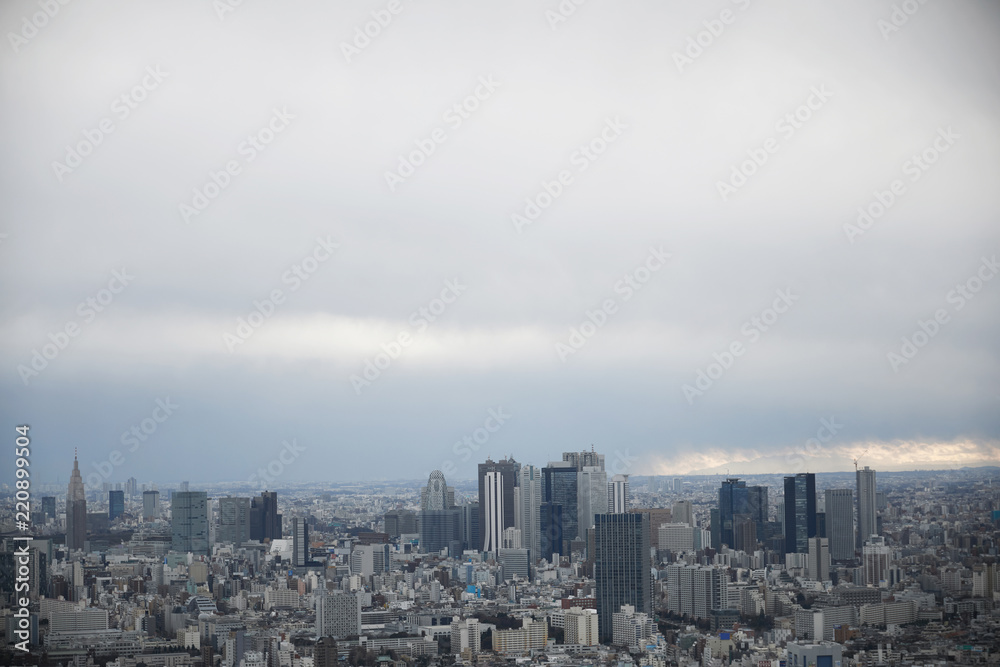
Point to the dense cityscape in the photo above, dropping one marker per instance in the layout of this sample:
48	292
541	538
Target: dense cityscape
577	562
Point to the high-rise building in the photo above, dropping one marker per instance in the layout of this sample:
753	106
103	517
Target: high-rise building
819	559
618	495
581	460
559	487
592	497
876	557
531	504
550	524
471	533
733	501
437	495
265	522
440	521
300	542
465	639
441	529
682	512
116	504
840	523
131	487
621	566
234	520
76	510
696	590
866	489
150	505
49	507
508	469
337	616
189	522
494	516
757	508
581	626
325	653
800	512
400	522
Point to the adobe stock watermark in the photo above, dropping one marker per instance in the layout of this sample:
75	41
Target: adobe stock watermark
122	107
295	276
626	286
914	167
562	12
363	35
622	462
419	320
223	7
88	310
133	438
474	441
787	126
582	158
752	330
454	116
927	329
30	25
287	455
248	149
703	39
898	17
828	429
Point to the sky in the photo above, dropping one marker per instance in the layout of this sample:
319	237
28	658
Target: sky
367	240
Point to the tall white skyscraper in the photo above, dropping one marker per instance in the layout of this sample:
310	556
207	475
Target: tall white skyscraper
529	509
493	512
618	495
591	498
867	525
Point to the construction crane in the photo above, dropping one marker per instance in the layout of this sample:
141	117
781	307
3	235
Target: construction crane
858	459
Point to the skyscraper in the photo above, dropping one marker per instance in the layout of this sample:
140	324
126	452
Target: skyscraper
840	523
508	468
733	501
800	512
116	504
618	495
682	512
550	525
49	507
867	523
150	505
437	495
757	507
581	460
592	497
621	566
300	542
819	558
559	487
531	504
234	520
494	504
265	522
76	510
189	522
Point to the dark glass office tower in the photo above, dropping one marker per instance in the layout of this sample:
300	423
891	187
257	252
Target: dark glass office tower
621	566
733	501
559	487
800	512
116	504
509	469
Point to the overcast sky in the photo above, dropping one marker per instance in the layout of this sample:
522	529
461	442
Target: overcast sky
683	189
